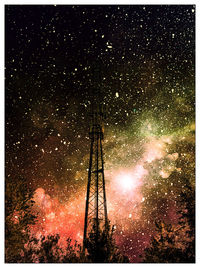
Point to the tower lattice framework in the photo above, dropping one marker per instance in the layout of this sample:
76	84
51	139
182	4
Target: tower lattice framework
96	209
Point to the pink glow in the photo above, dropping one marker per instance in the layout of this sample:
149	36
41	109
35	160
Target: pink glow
128	179
124	198
65	219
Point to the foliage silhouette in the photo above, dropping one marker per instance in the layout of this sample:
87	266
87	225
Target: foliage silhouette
18	217
175	244
46	250
102	249
163	247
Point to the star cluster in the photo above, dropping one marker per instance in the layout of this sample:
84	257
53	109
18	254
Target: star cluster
146	55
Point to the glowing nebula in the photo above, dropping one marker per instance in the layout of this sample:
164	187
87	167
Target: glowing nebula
65	219
124	196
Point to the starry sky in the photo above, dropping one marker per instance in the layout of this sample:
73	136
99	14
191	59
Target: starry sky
146	55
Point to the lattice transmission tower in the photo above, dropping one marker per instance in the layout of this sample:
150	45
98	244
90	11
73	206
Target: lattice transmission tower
96	209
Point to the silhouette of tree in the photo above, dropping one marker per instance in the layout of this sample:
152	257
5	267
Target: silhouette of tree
187	200
176	244
102	249
46	250
73	253
164	247
18	217
182	246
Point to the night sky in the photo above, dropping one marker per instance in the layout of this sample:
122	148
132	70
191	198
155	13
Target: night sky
147	60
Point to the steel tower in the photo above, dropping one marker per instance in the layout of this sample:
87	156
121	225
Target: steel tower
96	209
